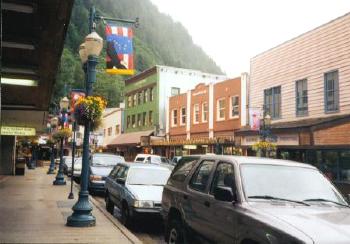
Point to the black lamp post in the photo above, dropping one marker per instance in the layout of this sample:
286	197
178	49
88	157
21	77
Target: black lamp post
89	52
64	103
265	131
53	124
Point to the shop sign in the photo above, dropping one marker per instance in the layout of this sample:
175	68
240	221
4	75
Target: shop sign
288	140
17	131
192	147
250	140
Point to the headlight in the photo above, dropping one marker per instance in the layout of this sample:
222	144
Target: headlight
143	204
95	177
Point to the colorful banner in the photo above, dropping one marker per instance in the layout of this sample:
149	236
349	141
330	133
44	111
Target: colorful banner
254	118
75	94
119	53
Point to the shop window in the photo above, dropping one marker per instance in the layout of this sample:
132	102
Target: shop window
301	97
183	116
204	112
196	114
150	118
234	111
272	102
109	131
331	91
344	165
175	91
138	120
117	129
174	118
220	113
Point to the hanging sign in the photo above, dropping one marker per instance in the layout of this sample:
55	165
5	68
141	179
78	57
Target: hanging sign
17	131
119	53
75	94
254	118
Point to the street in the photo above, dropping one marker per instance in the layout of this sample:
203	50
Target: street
149	231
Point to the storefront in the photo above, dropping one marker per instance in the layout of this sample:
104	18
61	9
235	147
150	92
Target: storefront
324	143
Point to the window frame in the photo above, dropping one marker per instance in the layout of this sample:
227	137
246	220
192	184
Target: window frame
335	91
174	119
196	113
195	174
133	121
109	131
177	89
183	116
117	129
150	117
218	109
205	112
302	110
270	108
210	192
233	106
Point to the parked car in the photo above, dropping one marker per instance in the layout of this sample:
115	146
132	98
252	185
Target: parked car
67	165
77	169
175	160
154	159
136	189
245	200
100	167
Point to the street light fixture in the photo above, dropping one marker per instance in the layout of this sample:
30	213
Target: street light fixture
265	128
64	103
91	49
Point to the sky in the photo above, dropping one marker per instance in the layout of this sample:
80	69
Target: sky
233	31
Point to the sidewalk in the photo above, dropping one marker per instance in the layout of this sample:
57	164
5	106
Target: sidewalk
32	210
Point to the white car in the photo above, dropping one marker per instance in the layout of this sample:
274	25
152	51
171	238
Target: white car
150	158
136	189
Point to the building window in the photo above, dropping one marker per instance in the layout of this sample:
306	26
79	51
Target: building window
128	122
144	118
150	118
331	91
129	101
175	91
109	131
221	109
301	97
138	120
183	116
134	101
145	96
104	132
174	117
196	114
204	112
139	98
133	120
151	95
272	102
234	111
117	129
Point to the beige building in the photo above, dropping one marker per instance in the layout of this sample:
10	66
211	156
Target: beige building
112	124
304	85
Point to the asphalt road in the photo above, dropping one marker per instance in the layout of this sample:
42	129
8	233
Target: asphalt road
149	231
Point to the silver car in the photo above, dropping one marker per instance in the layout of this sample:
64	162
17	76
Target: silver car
136	189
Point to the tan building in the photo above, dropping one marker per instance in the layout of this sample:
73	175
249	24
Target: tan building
111	124
203	119
304	85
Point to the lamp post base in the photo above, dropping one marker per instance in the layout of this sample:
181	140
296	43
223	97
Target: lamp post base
81	216
71	195
51	171
59	180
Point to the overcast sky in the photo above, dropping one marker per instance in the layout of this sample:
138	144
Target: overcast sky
233	31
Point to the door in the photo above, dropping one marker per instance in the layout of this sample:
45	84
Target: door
119	188
196	202
223	222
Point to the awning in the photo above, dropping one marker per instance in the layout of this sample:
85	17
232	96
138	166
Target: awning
128	139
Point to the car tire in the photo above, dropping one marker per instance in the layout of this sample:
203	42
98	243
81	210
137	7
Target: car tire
176	232
125	216
109	204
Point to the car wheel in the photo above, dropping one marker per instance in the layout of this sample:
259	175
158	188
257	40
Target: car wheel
109	205
125	216
176	232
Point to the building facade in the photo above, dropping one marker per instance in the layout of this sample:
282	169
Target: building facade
304	85
203	120
112	124
146	99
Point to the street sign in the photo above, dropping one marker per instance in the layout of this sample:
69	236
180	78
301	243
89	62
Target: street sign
17	131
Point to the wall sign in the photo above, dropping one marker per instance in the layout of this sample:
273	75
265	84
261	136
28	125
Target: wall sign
17	131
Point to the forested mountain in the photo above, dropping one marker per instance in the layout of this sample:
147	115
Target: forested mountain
158	40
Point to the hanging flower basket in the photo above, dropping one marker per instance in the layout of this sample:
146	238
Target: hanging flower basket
62	133
50	142
264	145
89	109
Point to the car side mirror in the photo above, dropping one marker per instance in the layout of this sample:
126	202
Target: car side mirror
120	181
224	194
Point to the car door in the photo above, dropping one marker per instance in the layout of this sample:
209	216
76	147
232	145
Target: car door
120	187
223	216
196	202
110	184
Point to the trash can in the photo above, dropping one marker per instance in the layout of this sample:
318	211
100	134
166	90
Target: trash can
20	166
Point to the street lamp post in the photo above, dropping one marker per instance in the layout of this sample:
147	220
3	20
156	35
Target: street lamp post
71	195
64	103
89	52
265	128
53	124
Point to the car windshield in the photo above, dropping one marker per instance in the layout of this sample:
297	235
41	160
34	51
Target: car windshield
139	159
151	176
106	161
287	182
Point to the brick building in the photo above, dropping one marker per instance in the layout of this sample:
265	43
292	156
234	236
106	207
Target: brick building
304	84
203	120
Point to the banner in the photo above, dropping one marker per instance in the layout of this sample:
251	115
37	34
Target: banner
75	94
119	53
254	118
